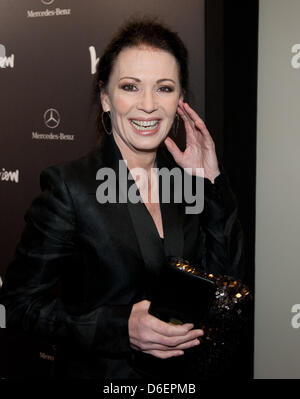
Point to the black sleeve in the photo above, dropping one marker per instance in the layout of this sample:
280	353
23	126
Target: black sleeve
46	244
224	252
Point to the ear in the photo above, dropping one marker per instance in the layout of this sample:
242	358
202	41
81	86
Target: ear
105	101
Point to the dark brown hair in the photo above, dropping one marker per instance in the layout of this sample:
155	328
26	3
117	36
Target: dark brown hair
136	32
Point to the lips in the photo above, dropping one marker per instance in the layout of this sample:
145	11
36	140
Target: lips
145	124
141	126
145	119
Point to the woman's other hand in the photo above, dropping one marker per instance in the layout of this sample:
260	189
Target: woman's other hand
156	337
200	147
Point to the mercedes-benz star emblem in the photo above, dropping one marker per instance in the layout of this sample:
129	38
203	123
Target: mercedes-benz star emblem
47	2
51	118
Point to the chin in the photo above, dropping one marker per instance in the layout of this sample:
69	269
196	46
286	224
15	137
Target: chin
148	143
146	148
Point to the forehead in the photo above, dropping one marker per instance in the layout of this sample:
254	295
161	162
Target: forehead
146	62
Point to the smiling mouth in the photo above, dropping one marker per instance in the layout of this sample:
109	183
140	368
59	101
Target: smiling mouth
145	125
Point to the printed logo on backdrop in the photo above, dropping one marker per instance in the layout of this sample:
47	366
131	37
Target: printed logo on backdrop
295	61
52	120
53	12
9	175
6	61
295	320
94	59
2	317
2	312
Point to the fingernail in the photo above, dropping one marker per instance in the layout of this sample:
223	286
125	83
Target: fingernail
190	325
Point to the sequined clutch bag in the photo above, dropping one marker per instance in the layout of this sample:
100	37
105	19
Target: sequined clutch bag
181	294
187	294
227	341
224	311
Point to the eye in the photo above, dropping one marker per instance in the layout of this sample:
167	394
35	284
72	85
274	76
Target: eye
166	89
129	87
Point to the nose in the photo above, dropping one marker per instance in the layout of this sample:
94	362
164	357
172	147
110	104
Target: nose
147	101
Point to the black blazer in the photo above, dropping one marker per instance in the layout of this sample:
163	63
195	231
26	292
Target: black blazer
81	265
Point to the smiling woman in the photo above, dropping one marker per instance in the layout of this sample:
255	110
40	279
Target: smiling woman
106	257
142	98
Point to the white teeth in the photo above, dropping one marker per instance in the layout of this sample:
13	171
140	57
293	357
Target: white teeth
143	124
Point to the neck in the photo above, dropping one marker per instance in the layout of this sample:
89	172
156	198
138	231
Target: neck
136	158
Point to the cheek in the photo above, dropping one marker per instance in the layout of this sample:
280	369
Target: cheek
171	107
122	105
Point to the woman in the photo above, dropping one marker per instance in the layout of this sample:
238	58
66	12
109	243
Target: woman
105	256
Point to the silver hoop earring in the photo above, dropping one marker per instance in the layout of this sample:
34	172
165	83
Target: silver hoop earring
175	125
103	124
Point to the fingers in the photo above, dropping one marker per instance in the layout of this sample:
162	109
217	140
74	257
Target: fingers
182	112
186	115
161	343
169	329
146	346
165	354
149	346
151	335
174	150
190	112
165	351
175	340
184	345
188	123
167	335
193	123
201	126
192	131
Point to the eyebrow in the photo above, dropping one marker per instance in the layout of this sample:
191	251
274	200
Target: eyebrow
138	80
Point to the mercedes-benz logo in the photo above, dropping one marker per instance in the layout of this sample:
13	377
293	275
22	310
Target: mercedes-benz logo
51	118
47	2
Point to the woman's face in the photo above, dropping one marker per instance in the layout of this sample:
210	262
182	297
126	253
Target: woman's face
142	97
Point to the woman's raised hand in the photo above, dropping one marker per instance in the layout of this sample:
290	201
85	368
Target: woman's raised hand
156	337
200	147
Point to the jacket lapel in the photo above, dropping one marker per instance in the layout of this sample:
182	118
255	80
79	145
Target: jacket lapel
172	213
149	244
